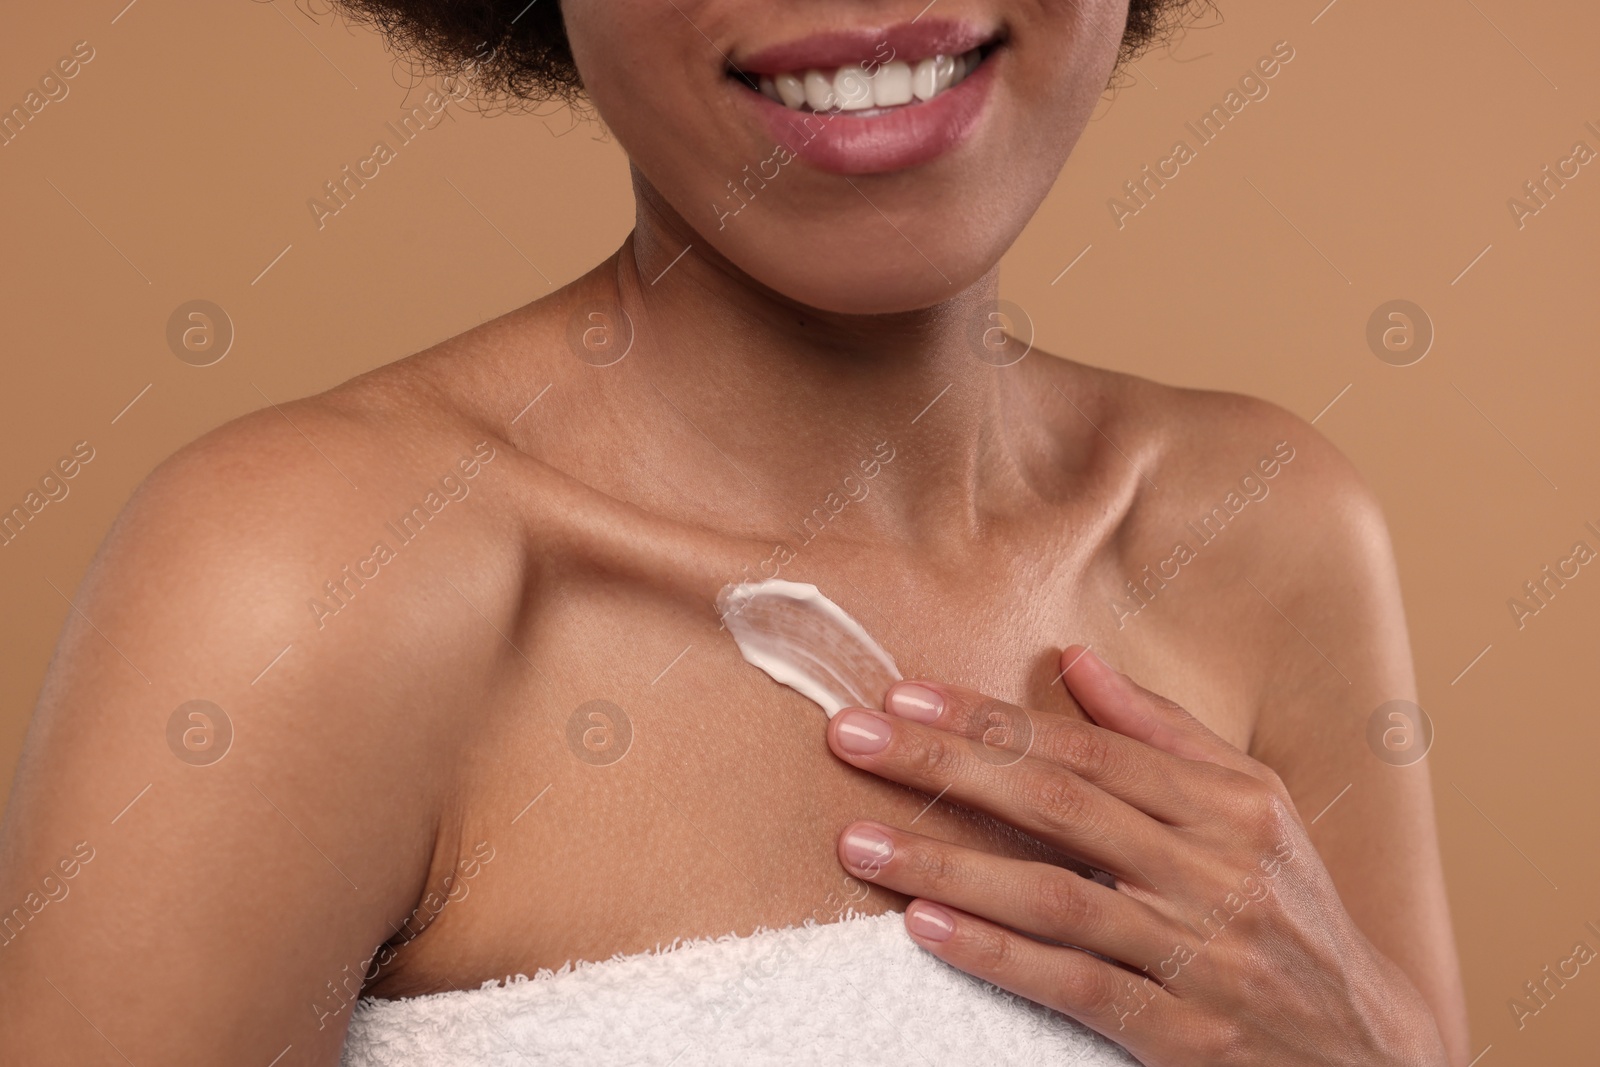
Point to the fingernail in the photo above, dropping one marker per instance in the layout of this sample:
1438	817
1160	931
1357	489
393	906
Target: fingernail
915	702
862	733
867	849
1084	654
930	922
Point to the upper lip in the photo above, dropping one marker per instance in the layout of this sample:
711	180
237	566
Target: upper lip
910	41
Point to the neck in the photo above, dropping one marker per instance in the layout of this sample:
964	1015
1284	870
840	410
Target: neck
788	400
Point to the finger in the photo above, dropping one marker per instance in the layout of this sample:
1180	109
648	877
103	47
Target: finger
1118	703
1125	1007
1036	898
1050	803
1147	778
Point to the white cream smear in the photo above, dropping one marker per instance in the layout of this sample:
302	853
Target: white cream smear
805	641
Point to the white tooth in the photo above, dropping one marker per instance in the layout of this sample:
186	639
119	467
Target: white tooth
891	86
853	88
945	67
819	91
769	88
791	89
925	79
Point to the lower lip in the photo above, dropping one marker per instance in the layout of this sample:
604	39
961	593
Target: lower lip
842	143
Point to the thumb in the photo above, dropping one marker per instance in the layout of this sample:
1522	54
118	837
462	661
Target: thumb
1117	702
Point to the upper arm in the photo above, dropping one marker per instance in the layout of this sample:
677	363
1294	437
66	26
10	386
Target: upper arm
221	909
1336	651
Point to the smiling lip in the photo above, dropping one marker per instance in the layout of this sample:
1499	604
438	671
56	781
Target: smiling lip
910	41
875	141
840	142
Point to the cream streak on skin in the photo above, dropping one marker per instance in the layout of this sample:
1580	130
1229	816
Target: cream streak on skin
805	641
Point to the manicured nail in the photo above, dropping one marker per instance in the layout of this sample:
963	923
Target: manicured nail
930	922
862	733
867	849
915	702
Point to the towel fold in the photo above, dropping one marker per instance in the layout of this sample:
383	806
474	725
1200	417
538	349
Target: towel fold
858	991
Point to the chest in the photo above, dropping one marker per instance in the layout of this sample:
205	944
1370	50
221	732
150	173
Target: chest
636	781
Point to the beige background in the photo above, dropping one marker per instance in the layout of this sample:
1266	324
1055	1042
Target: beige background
1379	167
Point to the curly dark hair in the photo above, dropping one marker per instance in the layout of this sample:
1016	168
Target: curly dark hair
517	51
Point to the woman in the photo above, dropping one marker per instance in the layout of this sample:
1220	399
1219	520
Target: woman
416	685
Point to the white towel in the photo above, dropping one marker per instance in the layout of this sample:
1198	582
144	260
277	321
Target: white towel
858	991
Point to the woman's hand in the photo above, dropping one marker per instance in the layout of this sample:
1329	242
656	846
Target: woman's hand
1230	943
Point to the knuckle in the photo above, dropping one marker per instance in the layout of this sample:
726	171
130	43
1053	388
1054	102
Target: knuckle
969	718
1001	727
1235	791
1258	977
1216	779
1273	782
1266	815
992	951
1061	900
1085	750
1086	991
1061	802
1261	813
929	756
932	868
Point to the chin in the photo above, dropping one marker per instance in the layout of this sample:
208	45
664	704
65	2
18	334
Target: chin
881	275
865	162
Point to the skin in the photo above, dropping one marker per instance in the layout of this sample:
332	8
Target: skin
1210	918
412	748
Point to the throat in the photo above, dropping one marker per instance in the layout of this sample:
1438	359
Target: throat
788	403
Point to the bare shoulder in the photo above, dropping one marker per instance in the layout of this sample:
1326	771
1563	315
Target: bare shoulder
1192	443
1283	492
1243	512
1301	546
299	512
249	725
1255	548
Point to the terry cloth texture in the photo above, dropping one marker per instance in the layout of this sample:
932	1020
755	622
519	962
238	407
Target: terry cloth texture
857	992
